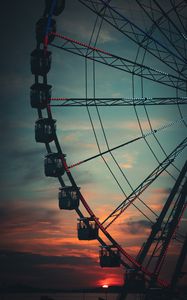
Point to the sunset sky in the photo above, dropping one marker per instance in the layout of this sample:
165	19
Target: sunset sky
39	244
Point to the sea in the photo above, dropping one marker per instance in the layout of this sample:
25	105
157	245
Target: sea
61	296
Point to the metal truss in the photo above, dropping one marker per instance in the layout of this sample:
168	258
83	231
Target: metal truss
172	32
160	220
66	102
119	63
145	184
136	34
180	262
178	211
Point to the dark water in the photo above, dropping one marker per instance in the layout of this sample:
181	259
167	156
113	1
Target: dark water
62	296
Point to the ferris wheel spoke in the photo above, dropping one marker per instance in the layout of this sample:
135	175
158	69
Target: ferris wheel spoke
170	32
146	183
156	138
143	136
174	222
180	262
161	20
181	115
110	152
173	24
120	63
181	15
93	102
154	135
160	220
136	34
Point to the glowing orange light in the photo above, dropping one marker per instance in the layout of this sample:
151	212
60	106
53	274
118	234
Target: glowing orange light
105	286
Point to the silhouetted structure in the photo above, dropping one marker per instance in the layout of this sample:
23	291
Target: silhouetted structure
45	130
143	272
53	165
87	229
68	198
109	257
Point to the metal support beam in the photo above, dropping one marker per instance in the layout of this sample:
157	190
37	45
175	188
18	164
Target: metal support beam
157	226
180	207
119	63
166	25
115	18
178	268
145	184
79	102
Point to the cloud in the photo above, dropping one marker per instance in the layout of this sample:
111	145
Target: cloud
39	270
129	159
84	28
133	125
156	197
22	216
35	259
17	82
25	168
53	271
41	227
137	227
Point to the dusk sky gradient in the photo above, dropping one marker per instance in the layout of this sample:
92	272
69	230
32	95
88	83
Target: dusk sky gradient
39	244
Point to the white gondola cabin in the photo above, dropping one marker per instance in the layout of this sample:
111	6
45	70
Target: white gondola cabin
41	26
109	257
53	165
87	229
45	130
58	9
68	198
40	62
40	93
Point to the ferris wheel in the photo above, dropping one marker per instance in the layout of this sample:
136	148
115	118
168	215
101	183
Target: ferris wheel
135	141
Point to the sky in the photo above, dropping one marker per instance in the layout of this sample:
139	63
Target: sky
39	244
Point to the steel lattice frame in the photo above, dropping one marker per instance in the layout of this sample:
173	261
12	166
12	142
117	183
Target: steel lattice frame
178	81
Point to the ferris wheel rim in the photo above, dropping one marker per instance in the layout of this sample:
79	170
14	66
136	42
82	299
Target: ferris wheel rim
87	207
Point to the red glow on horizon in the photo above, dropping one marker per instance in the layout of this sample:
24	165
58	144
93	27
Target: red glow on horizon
114	279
